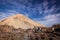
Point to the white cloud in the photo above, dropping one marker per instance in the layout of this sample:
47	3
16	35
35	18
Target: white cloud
12	11
26	15
49	19
58	14
51	16
8	13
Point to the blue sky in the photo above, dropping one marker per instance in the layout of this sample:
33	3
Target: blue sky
46	12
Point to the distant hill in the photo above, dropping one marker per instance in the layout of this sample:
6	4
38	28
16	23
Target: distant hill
20	21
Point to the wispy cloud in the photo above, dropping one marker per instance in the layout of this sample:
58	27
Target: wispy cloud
52	16
44	11
8	13
49	19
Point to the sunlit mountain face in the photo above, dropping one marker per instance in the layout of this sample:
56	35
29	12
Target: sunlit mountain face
46	12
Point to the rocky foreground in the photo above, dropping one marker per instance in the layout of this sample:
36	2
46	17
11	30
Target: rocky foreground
9	33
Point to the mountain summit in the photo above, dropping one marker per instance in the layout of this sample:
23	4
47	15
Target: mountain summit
20	21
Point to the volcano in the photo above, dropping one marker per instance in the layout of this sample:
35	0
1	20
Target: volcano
20	21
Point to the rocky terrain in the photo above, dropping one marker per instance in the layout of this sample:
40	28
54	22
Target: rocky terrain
10	33
19	27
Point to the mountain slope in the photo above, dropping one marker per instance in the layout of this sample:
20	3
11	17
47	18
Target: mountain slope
20	21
